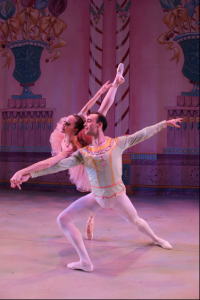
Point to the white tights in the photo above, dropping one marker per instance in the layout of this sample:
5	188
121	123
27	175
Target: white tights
86	206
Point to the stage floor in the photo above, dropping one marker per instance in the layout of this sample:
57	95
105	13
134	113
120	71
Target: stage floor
35	253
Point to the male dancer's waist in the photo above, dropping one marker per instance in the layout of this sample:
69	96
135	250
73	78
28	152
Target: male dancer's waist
105	187
108	192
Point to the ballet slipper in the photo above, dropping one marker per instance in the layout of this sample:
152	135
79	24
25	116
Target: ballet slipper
89	228
120	69
79	266
119	79
164	244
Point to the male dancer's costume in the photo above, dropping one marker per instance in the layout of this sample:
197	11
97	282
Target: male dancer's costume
104	163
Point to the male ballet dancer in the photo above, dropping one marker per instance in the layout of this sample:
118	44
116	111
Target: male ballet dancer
103	162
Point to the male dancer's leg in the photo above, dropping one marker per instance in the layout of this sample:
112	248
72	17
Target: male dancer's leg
80	209
123	206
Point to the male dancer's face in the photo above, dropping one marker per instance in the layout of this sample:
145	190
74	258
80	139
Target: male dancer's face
91	125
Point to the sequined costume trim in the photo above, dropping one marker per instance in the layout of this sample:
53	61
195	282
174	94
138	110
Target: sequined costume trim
102	149
111	161
113	195
93	163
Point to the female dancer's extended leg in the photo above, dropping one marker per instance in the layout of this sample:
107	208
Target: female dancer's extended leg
79	210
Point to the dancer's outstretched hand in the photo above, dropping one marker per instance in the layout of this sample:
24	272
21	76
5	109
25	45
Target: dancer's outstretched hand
173	122
16	177
14	182
105	87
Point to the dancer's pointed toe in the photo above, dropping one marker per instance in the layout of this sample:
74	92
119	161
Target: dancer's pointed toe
164	244
80	266
120	69
119	79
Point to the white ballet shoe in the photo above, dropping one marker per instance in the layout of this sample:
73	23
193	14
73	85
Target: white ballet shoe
89	228
120	69
119	79
164	244
79	266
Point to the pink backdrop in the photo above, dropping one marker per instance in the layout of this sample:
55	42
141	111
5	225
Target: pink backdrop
155	81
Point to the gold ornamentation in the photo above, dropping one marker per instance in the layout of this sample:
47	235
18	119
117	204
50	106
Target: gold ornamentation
191	119
170	118
8	121
32	120
43	120
50	120
21	121
197	119
33	15
4	121
48	22
14	120
11	25
176	16
185	119
25	120
38	120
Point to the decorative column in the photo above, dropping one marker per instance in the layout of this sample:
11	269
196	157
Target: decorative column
122	104
96	49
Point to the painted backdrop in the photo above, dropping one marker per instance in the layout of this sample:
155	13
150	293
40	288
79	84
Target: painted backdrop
54	56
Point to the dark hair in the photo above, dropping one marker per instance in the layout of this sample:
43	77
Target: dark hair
79	123
101	118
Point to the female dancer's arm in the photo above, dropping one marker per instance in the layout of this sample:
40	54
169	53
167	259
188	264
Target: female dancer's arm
44	164
92	101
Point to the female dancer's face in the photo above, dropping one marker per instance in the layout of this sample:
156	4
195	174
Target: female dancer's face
69	125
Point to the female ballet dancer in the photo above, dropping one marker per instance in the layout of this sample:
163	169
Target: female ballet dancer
69	134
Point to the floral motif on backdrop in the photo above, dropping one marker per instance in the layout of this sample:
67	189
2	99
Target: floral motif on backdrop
123	13
27	27
96	14
35	20
182	19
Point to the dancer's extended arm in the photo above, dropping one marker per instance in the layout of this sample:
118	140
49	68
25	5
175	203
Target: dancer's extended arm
67	163
125	142
44	164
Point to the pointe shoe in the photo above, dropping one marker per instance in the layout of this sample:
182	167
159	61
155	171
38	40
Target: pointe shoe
120	69
164	244
89	228
79	266
119	79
